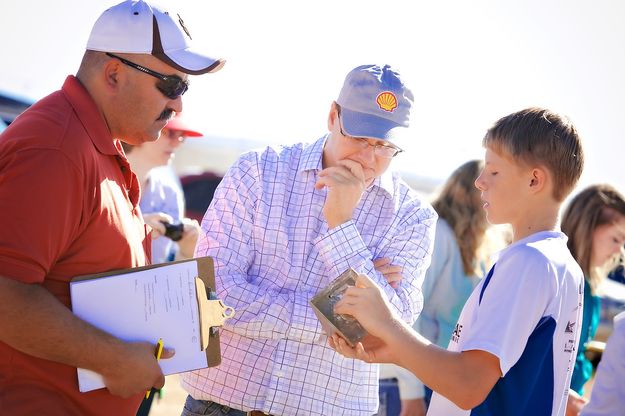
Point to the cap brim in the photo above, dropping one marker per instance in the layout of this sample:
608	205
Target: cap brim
193	63
189	62
357	124
189	133
177	124
186	59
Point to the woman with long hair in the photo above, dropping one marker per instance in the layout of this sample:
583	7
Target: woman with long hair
459	256
594	222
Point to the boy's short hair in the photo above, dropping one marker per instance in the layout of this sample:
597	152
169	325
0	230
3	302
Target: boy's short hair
537	136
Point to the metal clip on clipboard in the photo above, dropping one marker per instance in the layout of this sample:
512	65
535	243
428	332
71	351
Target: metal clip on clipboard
212	312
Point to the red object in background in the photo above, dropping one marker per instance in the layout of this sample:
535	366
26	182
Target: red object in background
198	193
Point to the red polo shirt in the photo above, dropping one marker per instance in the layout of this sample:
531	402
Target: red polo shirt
68	207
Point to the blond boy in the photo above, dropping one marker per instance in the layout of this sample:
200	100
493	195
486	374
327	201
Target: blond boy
513	347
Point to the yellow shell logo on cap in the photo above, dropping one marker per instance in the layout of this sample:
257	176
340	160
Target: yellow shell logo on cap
387	101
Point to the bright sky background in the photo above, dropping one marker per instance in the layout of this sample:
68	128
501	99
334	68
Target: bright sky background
468	62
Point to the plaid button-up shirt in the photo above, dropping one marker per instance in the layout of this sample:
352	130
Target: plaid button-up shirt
273	252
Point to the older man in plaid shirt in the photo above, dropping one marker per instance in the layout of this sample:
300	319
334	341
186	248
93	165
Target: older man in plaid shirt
284	223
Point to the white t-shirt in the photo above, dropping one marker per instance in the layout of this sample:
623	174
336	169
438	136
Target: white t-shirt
528	313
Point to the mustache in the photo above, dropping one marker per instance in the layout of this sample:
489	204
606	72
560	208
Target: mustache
166	115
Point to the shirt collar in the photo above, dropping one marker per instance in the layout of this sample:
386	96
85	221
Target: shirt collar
532	238
312	156
385	181
89	115
312	159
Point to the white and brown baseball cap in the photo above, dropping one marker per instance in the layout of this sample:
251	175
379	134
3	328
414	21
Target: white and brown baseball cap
135	26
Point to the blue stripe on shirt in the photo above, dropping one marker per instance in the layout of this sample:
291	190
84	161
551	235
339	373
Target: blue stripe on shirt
527	389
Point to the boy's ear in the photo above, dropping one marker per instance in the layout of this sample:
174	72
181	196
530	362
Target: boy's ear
538	180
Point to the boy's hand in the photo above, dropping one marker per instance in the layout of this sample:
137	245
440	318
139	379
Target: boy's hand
367	303
391	273
370	350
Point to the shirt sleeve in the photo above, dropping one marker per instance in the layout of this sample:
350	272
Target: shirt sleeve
41	200
515	300
263	312
608	392
410	240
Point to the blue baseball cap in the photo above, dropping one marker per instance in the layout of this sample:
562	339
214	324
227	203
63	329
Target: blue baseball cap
374	102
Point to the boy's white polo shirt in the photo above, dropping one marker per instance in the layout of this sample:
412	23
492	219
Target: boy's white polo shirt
527	312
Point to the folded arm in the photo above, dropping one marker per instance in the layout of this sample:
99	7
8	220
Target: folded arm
408	246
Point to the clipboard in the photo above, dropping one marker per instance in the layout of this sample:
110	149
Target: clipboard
210	312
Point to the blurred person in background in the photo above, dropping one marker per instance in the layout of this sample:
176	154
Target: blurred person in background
594	222
608	390
459	260
162	201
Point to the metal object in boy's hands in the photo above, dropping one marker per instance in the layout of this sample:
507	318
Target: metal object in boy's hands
323	305
173	231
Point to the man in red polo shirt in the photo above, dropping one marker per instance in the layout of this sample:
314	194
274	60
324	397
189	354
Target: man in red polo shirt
69	205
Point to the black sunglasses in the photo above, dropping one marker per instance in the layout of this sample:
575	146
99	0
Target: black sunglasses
172	86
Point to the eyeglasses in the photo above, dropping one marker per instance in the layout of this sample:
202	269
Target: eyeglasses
382	150
172	86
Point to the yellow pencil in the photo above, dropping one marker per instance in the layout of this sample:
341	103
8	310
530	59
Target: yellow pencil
159	351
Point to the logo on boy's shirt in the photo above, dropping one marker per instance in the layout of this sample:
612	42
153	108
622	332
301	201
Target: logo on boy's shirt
569	327
455	336
569	346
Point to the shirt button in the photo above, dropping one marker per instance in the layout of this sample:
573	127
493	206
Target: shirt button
279	373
